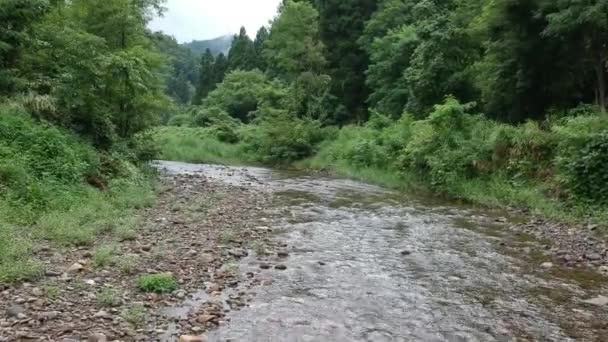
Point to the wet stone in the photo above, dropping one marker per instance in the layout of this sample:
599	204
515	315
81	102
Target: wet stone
15	311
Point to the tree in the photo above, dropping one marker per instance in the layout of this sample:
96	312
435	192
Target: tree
104	76
293	45
584	24
258	46
295	54
439	64
17	18
242	93
525	70
341	26
184	73
207	80
242	52
220	67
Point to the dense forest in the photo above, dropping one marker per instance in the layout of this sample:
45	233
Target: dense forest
500	102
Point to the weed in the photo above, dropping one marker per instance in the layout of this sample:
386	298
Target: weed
157	283
127	264
51	292
259	248
227	236
108	297
135	315
104	256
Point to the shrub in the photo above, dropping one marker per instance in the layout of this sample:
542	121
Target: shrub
135	315
157	283
108	297
104	256
280	138
586	170
242	93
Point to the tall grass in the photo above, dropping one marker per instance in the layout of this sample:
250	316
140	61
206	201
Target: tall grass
197	145
45	197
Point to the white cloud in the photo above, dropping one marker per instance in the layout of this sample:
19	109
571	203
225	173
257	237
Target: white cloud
203	19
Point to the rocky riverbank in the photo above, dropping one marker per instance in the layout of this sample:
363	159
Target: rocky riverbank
198	231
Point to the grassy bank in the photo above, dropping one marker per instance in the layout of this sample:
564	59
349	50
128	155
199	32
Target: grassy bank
554	169
57	191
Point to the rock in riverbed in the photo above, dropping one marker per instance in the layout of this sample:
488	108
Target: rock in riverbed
190	338
597	301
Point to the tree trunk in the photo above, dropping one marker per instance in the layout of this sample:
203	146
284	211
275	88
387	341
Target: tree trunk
600	71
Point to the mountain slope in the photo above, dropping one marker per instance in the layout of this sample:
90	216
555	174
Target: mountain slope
216	45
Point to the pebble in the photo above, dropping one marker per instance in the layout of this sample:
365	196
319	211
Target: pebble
90	282
280	267
205	318
546	265
282	254
406	252
14	311
97	338
265	266
597	301
603	269
76	267
593	256
190	338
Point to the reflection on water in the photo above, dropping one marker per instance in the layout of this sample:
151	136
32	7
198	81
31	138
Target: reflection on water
366	264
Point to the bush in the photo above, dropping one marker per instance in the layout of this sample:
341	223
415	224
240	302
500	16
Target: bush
586	170
157	283
242	93
282	138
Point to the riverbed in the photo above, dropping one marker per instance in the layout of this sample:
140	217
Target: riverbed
368	264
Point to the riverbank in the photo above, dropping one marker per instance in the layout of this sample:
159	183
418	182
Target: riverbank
193	237
578	234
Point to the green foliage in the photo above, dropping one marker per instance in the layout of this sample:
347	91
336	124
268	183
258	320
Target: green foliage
586	174
242	54
104	256
157	283
243	92
341	25
293	46
278	137
135	315
108	297
197	145
183	75
206	78
44	193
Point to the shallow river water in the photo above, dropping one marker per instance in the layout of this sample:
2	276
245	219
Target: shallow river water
367	264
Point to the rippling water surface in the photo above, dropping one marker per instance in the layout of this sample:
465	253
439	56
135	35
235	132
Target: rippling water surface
367	264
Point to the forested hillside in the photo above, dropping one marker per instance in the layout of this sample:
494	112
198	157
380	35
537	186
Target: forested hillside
216	45
497	102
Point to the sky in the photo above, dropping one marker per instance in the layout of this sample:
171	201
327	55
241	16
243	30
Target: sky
189	20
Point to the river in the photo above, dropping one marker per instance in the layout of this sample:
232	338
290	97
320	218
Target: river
369	264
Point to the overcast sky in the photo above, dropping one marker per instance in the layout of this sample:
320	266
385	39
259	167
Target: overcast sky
204	19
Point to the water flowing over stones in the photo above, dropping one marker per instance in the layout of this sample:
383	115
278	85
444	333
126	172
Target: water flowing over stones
366	264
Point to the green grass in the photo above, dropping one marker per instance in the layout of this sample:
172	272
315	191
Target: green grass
75	217
127	264
108	297
195	145
135	315
157	283
104	256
